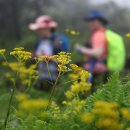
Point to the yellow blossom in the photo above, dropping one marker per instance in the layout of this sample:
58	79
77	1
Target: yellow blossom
20	54
33	104
63	68
108	124
87	117
105	113
125	113
21	97
63	58
128	35
73	33
80	87
69	94
103	104
18	49
76	105
2	51
45	58
79	73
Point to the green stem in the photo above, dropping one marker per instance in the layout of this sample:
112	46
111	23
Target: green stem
5	59
48	70
9	107
52	92
29	85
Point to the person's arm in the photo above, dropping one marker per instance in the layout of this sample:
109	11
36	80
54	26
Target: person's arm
98	45
96	52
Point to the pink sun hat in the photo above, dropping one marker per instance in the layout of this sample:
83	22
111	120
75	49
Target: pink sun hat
44	21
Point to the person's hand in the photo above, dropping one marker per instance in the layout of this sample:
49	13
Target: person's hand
78	47
57	42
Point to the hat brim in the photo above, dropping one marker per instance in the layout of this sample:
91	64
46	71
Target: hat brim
103	20
37	26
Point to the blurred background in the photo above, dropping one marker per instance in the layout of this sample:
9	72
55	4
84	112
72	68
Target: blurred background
15	15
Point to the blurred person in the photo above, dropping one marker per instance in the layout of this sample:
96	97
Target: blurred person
105	49
48	43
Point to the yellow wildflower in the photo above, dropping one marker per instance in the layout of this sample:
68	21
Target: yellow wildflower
33	104
45	58
125	113
87	117
80	87
2	51
75	105
128	35
108	124
63	58
79	73
73	33
20	54
63	68
75	67
103	104
69	94
18	49
21	97
105	113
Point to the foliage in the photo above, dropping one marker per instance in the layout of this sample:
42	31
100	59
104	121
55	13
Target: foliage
108	108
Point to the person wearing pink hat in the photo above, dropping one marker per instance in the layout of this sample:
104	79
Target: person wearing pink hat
48	43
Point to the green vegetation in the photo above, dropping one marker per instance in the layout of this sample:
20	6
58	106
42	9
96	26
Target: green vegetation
71	106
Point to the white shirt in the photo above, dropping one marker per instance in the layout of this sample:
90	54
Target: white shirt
45	48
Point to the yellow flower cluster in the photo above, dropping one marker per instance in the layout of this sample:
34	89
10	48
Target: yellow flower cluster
80	84
109	109
33	104
63	59
125	113
28	106
87	117
75	105
108	116
80	87
2	51
55	107
44	58
128	35
72	32
22	97
79	73
20	54
25	74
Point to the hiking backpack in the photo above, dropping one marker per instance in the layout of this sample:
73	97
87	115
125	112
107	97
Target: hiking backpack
116	51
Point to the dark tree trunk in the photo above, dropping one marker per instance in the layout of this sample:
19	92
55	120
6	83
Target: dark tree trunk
15	19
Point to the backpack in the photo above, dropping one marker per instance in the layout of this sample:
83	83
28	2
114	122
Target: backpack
116	51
